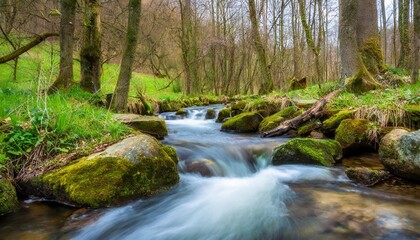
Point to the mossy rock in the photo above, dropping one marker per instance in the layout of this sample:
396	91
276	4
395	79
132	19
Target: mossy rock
308	151
224	113
265	107
8	198
243	123
354	133
333	122
413	114
136	167
146	124
367	176
210	114
308	127
274	120
399	151
238	106
181	112
296	84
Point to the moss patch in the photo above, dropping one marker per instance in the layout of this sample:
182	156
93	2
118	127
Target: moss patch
308	151
308	127
171	153
8	198
274	120
333	122
243	123
352	132
223	114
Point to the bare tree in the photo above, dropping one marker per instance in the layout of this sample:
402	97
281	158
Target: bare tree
416	50
403	28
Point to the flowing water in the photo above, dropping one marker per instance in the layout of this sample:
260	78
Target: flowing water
245	198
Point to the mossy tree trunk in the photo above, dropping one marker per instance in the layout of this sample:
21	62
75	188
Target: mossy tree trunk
360	48
267	81
416	51
68	17
189	49
90	54
403	28
120	96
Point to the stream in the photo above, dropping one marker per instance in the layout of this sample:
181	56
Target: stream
245	198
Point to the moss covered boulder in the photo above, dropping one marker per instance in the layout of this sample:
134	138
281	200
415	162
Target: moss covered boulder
367	176
210	114
274	120
146	124
356	134
308	127
223	114
308	151
8	199
399	151
181	112
243	123
334	121
265	107
136	167
413	114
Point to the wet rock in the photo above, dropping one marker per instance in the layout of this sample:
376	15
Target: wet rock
274	120
8	198
146	124
204	167
367	176
243	123
399	151
181	112
357	134
316	135
224	113
308	151
333	122
308	127
136	167
210	114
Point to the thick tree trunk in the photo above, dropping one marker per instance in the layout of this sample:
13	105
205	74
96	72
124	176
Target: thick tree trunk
360	50
416	51
90	54
267	84
68	17
315	111
15	54
403	28
120	96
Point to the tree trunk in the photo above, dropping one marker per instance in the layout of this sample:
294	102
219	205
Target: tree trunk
267	84
68	17
384	29
120	96
416	50
360	50
90	54
403	28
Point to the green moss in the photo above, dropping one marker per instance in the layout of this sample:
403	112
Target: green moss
8	199
352	131
333	122
366	176
309	127
372	55
266	107
223	114
243	123
360	83
181	111
171	153
413	112
296	84
150	125
274	120
210	114
308	151
238	105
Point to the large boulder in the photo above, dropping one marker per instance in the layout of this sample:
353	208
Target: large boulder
243	123
399	151
8	198
356	134
146	124
274	120
308	151
136	167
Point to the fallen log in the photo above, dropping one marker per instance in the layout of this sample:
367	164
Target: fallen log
38	39
314	112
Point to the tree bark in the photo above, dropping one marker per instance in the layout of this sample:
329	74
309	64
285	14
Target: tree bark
90	53
315	111
416	50
15	54
120	96
403	28
68	17
360	50
384	29
267	84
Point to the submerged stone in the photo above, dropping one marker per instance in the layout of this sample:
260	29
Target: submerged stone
243	123
308	151
146	124
367	176
399	151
